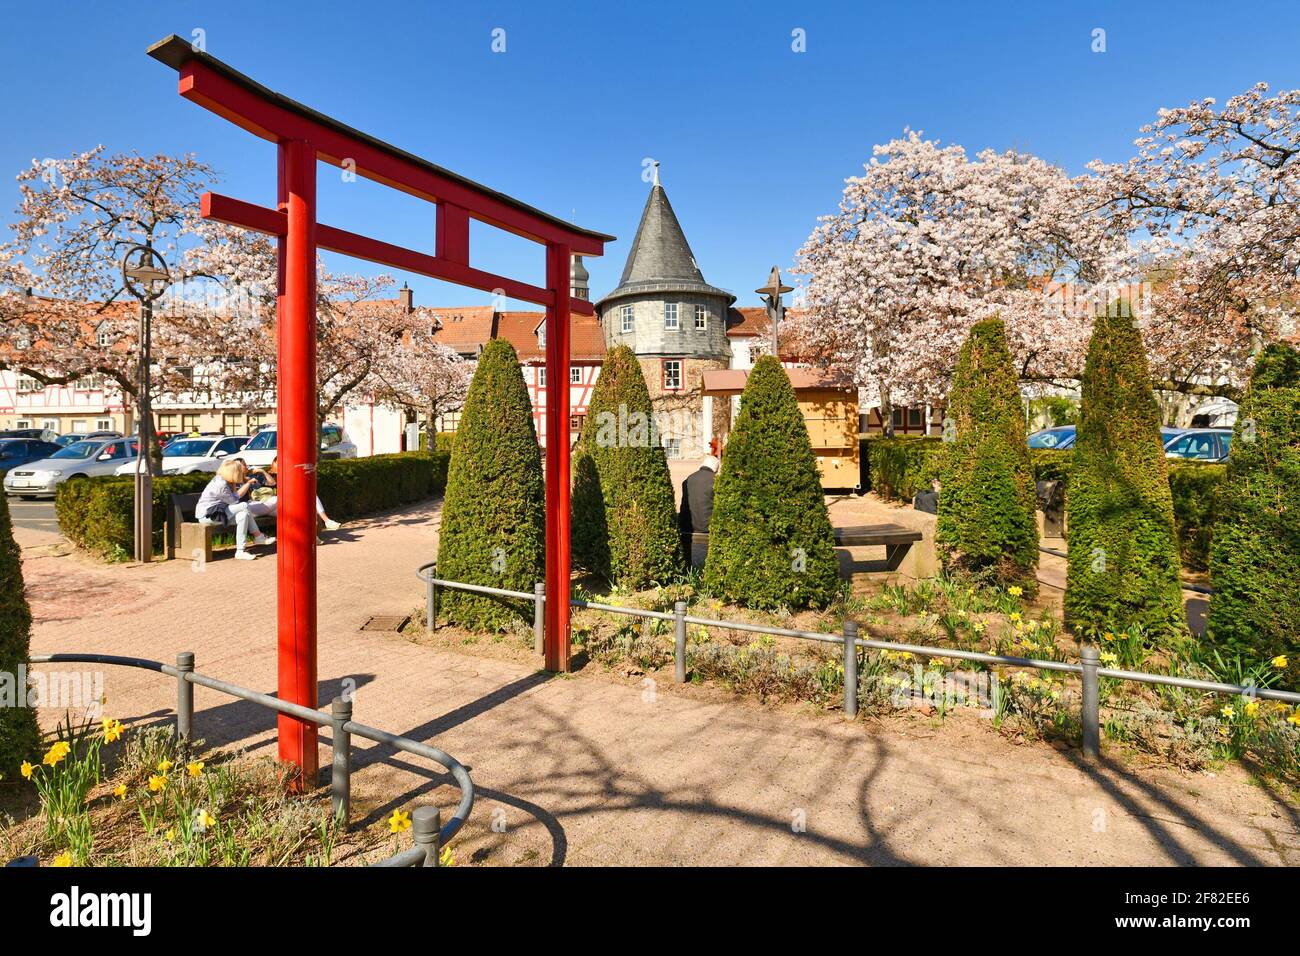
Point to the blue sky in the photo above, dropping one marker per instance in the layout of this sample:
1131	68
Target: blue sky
755	139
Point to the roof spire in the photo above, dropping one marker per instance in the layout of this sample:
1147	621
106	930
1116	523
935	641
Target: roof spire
656	182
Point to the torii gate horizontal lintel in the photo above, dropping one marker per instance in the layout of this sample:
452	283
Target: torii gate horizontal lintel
306	138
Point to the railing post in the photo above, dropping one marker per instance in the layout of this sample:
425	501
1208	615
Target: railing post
431	602
426	822
1089	657
539	617
679	640
341	771
184	696
850	668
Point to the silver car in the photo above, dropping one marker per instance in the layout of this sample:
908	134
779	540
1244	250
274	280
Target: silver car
83	459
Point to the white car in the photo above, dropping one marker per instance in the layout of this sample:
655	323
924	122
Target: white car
261	448
83	459
181	456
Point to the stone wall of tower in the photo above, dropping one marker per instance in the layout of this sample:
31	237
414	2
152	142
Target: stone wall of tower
649	336
679	413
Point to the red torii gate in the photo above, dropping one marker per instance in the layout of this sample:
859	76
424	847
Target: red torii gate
304	137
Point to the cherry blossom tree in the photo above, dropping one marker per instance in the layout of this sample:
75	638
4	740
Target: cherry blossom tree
424	376
927	242
64	312
1215	194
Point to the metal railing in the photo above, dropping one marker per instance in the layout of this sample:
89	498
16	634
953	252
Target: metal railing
426	827
1089	667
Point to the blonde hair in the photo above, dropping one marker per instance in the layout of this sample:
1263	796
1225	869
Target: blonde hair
233	470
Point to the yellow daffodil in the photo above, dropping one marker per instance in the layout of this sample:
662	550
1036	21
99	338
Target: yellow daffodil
399	822
1252	708
1108	657
195	768
1223	731
164	765
169	835
120	791
1279	662
1228	711
445	858
56	753
1294	718
26	770
1013	616
1108	636
203	820
63	859
1015	590
113	730
157	783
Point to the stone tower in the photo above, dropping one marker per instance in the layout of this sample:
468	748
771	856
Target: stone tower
673	320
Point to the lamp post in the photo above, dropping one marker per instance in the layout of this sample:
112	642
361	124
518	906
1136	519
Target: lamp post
771	294
145	275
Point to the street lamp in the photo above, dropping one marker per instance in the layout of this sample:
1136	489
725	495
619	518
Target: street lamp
771	294
145	275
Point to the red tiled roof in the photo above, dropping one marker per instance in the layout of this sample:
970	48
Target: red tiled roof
752	320
586	339
464	328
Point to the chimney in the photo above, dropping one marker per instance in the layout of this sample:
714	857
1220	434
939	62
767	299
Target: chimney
406	297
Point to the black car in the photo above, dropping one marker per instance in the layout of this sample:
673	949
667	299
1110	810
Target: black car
22	451
38	434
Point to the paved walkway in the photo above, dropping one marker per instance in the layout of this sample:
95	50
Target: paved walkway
590	769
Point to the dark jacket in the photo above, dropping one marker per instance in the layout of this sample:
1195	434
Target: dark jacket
697	502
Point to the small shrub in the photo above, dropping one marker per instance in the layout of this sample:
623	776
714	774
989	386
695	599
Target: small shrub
494	517
19	734
1123	565
770	538
1255	553
1195	488
986	522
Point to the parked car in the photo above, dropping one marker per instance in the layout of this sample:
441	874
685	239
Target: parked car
1200	444
23	451
73	437
40	434
1062	437
182	456
83	459
261	448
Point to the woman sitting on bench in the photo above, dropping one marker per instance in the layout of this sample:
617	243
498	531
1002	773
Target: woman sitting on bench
222	502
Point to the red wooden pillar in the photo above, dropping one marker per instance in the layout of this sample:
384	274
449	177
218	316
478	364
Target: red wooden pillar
298	441
557	459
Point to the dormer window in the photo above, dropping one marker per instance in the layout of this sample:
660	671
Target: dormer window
541	336
103	336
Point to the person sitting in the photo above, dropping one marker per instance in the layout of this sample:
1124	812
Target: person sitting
928	501
223	502
697	505
266	479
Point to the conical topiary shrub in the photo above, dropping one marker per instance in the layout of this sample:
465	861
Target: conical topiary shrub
19	734
494	514
1124	565
770	539
624	519
1255	548
987	500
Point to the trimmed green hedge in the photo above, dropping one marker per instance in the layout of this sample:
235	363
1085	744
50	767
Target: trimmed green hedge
96	513
1195	486
19	734
897	468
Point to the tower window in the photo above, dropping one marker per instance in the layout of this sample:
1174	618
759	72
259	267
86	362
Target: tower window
672	374
701	318
626	313
670	315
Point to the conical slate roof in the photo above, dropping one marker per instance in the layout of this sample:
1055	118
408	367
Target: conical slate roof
661	258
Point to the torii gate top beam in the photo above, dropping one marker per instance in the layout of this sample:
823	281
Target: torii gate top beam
244	102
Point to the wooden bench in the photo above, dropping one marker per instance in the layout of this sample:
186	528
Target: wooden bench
896	539
186	535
